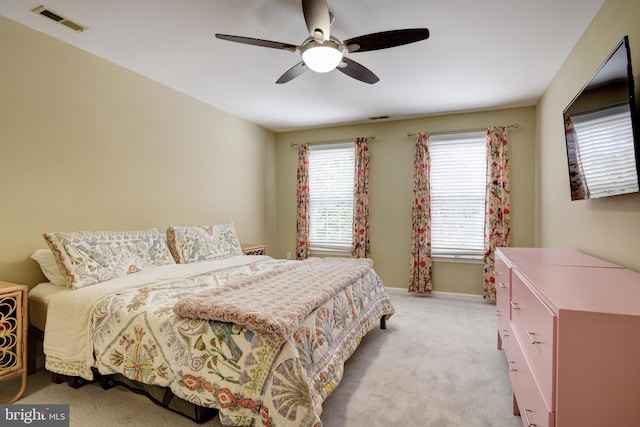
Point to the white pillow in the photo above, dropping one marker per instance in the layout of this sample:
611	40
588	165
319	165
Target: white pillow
49	266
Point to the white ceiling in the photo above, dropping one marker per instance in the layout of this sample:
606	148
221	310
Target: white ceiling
481	54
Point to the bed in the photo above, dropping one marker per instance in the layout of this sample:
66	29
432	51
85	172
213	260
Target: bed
261	340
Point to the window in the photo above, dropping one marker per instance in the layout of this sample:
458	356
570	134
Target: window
457	183
331	180
606	151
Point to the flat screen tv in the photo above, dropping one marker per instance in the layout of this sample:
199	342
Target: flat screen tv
601	131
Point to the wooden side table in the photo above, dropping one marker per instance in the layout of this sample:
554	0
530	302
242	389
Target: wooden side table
13	333
251	249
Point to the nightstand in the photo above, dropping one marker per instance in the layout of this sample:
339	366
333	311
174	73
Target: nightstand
13	333
250	249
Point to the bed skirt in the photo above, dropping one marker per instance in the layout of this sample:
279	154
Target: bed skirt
161	396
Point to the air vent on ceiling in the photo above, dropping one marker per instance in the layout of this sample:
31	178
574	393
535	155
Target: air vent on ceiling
48	13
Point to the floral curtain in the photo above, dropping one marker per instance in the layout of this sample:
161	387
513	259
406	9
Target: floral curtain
360	246
302	193
579	188
497	224
421	265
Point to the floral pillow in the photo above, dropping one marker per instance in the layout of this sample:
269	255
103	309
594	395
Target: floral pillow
203	243
89	257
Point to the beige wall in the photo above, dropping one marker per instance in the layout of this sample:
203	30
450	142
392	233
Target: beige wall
85	144
390	189
608	228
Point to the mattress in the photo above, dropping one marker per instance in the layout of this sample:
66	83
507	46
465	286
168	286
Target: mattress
39	298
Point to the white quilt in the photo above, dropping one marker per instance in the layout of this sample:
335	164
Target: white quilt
68	342
128	326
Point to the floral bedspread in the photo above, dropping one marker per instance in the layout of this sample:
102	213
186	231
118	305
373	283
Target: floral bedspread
250	380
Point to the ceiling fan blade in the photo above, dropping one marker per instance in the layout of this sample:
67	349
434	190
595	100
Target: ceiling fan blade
292	73
317	17
386	39
357	71
258	42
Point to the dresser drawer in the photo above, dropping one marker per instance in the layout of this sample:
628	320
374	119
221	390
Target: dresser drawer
533	409
534	326
503	297
506	336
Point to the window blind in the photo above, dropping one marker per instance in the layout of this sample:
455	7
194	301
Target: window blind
457	183
331	181
607	151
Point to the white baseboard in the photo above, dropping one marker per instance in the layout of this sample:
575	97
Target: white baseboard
440	294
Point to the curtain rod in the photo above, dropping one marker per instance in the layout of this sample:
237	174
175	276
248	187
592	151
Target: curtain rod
513	126
336	141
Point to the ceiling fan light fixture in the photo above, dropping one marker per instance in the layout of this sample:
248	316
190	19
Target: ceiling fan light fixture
322	57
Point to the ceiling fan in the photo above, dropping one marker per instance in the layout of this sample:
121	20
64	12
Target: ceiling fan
321	52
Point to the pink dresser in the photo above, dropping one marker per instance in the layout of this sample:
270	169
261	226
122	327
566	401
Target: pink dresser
569	324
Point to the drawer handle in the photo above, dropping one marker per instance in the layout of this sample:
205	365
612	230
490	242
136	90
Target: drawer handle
526	416
511	362
514	305
505	332
502	285
531	336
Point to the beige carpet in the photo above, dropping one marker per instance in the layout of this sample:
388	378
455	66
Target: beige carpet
436	364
